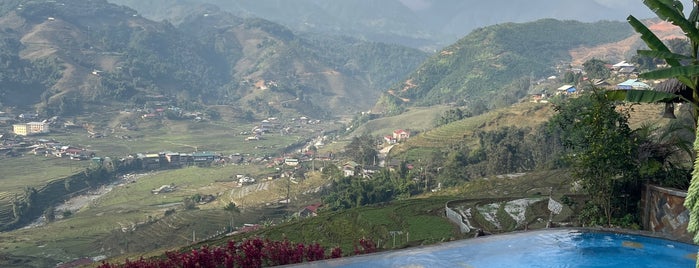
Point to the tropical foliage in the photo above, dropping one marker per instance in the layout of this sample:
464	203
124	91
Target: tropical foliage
683	67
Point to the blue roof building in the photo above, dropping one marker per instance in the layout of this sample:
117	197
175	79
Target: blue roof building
632	84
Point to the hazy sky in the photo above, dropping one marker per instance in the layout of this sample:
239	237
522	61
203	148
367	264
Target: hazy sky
636	7
624	7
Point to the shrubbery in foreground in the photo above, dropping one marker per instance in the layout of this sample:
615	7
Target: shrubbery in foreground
253	252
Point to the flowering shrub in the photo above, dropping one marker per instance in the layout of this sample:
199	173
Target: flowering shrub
365	246
253	252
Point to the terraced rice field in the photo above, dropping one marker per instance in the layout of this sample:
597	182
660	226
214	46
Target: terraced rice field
6	213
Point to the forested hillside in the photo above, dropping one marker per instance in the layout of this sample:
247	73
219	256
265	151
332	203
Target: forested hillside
497	64
311	73
68	58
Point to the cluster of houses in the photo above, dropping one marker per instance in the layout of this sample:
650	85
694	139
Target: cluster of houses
45	147
273	124
351	168
622	70
156	106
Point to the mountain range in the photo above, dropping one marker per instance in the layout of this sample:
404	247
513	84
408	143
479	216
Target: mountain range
64	58
74	57
425	24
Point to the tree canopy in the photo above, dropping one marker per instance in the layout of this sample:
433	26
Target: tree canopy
595	68
600	144
362	149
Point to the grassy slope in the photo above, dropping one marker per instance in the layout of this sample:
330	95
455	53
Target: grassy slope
34	171
525	114
414	118
520	115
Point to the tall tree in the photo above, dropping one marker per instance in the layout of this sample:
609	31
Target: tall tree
595	68
362	149
601	148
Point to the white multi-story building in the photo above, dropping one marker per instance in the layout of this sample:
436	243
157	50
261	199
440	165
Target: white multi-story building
30	128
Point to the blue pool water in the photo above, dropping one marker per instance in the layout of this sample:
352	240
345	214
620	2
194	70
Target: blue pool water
544	248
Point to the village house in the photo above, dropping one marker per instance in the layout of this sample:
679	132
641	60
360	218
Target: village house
628	71
401	135
350	168
28	116
566	89
266	124
633	84
247	228
389	139
601	83
186	159
621	65
369	171
75	153
291	162
149	160
310	211
204	158
174	159
538	98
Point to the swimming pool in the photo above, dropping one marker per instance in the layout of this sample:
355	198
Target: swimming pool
542	248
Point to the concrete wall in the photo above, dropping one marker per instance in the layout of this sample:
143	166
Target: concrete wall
664	212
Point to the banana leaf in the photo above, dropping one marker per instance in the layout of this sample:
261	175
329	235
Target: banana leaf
663	55
651	40
680	72
655	44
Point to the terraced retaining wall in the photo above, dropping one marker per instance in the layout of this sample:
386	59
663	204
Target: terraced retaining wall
456	218
664	212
